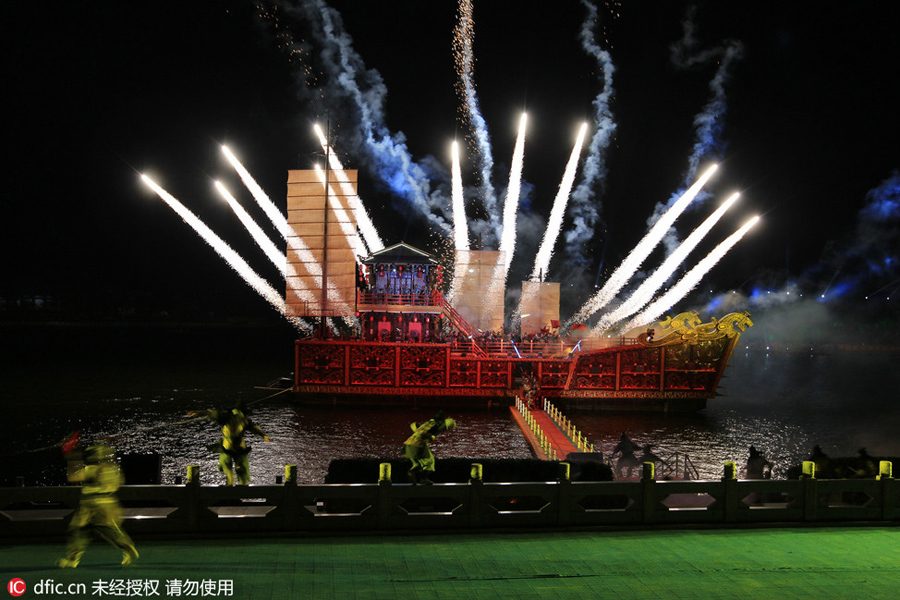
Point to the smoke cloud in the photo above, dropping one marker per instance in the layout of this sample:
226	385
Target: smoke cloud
584	208
347	88
710	121
844	299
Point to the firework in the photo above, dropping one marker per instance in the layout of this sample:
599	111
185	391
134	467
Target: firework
633	261
232	258
690	279
651	285
554	224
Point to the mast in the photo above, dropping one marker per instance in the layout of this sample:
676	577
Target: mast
325	228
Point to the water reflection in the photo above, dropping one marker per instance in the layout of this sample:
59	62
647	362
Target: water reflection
708	438
783	405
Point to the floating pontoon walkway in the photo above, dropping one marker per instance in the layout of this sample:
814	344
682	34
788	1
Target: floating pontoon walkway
547	440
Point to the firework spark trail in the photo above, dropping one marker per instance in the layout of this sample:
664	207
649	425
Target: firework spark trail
460	227
882	288
641	251
350	81
262	240
343	219
309	262
333	294
651	285
268	247
583	209
259	195
511	205
690	279
231	257
464	56
545	252
459	273
528	295
259	236
366	226
293	241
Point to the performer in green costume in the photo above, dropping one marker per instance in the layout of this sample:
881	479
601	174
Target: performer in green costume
232	449
99	510
416	447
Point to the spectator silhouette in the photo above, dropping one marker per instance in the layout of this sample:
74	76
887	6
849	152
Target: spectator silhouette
824	465
758	467
863	465
628	461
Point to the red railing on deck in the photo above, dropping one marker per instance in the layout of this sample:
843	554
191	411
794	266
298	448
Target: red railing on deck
550	348
491	347
415	299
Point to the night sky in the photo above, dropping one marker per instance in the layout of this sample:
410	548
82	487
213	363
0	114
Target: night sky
98	93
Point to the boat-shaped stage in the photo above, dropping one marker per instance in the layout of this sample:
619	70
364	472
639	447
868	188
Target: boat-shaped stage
678	371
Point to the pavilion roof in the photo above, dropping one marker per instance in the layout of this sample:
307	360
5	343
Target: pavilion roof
400	254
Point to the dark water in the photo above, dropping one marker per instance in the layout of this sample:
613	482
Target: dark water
137	383
782	404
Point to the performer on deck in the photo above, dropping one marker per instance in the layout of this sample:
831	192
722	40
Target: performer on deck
232	449
98	510
416	447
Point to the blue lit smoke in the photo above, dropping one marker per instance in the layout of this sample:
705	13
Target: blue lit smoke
873	249
709	123
347	85
862	265
883	203
839	290
583	208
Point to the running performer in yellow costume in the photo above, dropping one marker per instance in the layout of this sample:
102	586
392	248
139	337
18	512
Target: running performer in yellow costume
416	447
99	511
233	450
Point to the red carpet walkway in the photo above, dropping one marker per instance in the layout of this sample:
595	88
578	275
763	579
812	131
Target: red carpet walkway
557	438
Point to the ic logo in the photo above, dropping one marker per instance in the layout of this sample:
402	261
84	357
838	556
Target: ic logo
16	587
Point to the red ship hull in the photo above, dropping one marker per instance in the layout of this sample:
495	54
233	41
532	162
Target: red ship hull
674	374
